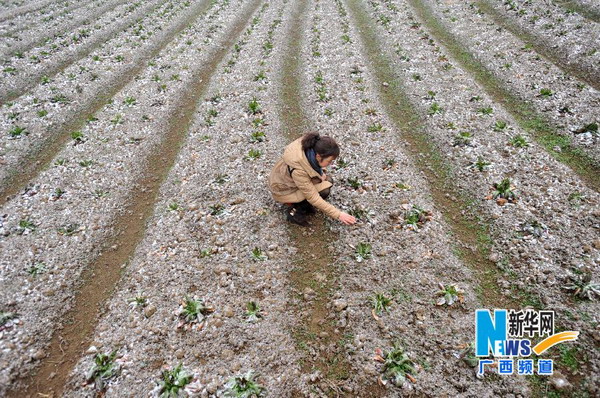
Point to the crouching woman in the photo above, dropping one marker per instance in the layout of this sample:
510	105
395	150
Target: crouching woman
299	180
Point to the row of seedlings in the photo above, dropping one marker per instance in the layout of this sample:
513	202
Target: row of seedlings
16	8
571	105
53	16
74	93
210	292
60	222
379	305
541	215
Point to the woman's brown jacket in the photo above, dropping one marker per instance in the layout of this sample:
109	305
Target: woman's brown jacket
293	179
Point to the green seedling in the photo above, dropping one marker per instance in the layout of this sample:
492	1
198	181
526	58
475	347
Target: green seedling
480	164
173	381
375	128
431	95
6	316
415	217
138	302
42	113
37	269
435	108
397	366
205	253
518	141
261	76
68	230
546	92
360	214
402	186
362	252
450	294
534	228
217	210
468	355
17	132
253	154
26	224
463	139
576	198
103	369
500	125
221	178
504	190
174	206
254	107
583	287
370	112
354	182
100	193
257	136
380	303
244	386
60	162
253	312
257	254
193	312
86	163
77	136
129	101
588	128
485	110
328	112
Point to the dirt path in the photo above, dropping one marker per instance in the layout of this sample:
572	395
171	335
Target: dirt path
24	10
581	9
103	274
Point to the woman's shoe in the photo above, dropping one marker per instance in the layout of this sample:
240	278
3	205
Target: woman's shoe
306	208
294	215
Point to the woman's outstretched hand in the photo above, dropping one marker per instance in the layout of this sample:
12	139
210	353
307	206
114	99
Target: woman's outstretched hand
347	218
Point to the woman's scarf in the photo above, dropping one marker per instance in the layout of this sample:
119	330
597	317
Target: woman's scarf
312	159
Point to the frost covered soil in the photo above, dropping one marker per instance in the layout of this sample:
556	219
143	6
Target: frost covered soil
213	211
570	104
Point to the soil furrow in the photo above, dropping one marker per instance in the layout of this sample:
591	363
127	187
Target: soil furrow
544	47
103	274
535	124
24	10
314	259
20	87
42	154
470	230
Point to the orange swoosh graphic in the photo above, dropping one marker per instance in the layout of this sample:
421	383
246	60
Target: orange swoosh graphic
553	340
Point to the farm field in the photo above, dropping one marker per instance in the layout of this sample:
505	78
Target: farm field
141	253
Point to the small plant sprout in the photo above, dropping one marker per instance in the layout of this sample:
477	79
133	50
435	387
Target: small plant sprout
173	381
221	178
463	138
257	254
5	317
26	225
576	198
138	302
253	312
193	312
57	194
468	355
435	108
402	186
500	125
485	110
174	206
354	182
68	229
591	128
257	136
450	294
103	369
86	163
546	92
480	164
253	154
77	137
362	252
375	128
217	210
254	106
583	287
380	303
244	386
503	192
341	163
534	228
415	217
129	101
518	141
37	269
359	213
397	366
261	76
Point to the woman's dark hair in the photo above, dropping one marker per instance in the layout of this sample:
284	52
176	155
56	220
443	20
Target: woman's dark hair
324	146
